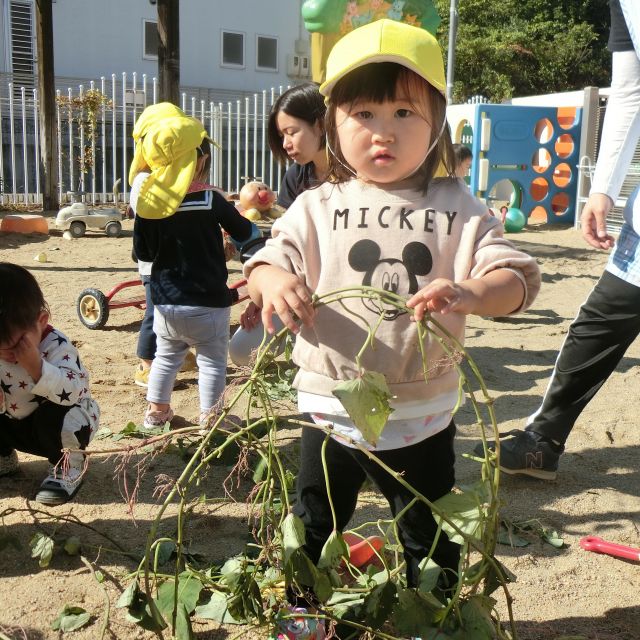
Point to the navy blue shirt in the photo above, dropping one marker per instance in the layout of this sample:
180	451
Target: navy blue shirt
186	249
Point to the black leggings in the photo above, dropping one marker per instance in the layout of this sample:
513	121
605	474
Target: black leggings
427	466
607	323
39	432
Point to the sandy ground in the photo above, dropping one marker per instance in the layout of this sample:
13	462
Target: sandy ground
559	593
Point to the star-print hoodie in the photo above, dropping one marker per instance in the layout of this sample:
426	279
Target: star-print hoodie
64	381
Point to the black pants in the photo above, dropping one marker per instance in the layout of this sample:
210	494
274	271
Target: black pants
38	433
146	349
607	323
428	467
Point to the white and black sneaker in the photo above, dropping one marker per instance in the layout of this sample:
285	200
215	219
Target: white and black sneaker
59	487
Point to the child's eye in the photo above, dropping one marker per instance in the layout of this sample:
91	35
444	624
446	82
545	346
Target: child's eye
363	115
403	113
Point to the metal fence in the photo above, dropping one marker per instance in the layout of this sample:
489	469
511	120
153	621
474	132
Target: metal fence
238	126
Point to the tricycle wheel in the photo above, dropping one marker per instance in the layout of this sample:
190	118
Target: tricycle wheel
113	229
93	308
77	229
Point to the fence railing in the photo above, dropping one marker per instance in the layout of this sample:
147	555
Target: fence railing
238	126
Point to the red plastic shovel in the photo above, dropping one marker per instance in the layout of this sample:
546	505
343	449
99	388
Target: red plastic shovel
593	543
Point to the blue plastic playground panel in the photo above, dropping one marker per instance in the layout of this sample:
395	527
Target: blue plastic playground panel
533	148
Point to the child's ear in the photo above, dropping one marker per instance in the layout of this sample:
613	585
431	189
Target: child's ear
43	320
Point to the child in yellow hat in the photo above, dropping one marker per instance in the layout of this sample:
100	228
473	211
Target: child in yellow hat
385	221
178	228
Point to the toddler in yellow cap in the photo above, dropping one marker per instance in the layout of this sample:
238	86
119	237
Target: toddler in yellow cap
178	230
383	220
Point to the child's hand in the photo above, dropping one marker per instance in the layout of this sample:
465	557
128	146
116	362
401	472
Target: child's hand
441	296
27	354
250	317
281	292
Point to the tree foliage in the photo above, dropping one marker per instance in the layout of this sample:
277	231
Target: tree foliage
512	48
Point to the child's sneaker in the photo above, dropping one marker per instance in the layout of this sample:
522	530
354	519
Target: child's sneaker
141	376
59	487
526	453
155	419
9	464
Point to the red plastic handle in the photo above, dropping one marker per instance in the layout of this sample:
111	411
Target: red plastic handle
593	543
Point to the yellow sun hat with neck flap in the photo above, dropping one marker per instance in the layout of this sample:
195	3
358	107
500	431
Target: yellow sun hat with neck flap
386	41
166	141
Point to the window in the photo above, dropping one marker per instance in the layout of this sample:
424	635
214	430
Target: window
232	49
267	53
150	40
22	43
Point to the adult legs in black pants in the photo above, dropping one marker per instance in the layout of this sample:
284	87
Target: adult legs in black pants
427	466
606	325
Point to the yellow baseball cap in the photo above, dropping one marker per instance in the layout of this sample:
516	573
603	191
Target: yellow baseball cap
166	142
386	41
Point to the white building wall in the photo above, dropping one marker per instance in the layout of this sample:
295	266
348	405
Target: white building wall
94	38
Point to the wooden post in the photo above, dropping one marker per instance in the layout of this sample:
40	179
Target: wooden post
47	99
169	51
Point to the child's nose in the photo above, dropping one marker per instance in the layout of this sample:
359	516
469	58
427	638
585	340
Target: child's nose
383	133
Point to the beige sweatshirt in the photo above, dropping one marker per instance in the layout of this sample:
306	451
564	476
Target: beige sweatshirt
358	234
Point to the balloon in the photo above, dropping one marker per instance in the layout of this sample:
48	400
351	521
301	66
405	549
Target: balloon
514	220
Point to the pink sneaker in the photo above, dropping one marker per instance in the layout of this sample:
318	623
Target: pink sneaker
155	419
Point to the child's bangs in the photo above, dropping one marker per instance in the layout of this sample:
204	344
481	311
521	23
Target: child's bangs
382	81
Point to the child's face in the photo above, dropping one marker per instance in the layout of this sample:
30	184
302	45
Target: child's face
383	142
300	140
23	339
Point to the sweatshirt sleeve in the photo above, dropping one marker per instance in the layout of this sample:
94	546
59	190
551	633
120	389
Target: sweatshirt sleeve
64	380
493	251
289	235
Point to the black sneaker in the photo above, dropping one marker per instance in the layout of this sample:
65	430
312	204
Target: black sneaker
526	453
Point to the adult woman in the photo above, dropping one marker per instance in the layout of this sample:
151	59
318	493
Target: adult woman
295	132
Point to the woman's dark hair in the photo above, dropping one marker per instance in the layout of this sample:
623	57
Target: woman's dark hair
461	153
303	102
21	300
381	81
205	149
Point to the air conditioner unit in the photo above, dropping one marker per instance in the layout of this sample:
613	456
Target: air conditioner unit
305	68
293	64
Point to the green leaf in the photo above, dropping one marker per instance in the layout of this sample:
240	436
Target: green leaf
233	571
303	571
333	551
184	631
366	400
164	551
379	603
99	577
128	596
476	618
508	537
72	545
429	574
42	548
465	511
553	538
140	610
217	609
70	619
260	470
102	433
292	535
414	612
189	587
322	587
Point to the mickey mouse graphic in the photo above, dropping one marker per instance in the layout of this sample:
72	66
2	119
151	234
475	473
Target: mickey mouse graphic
390	274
